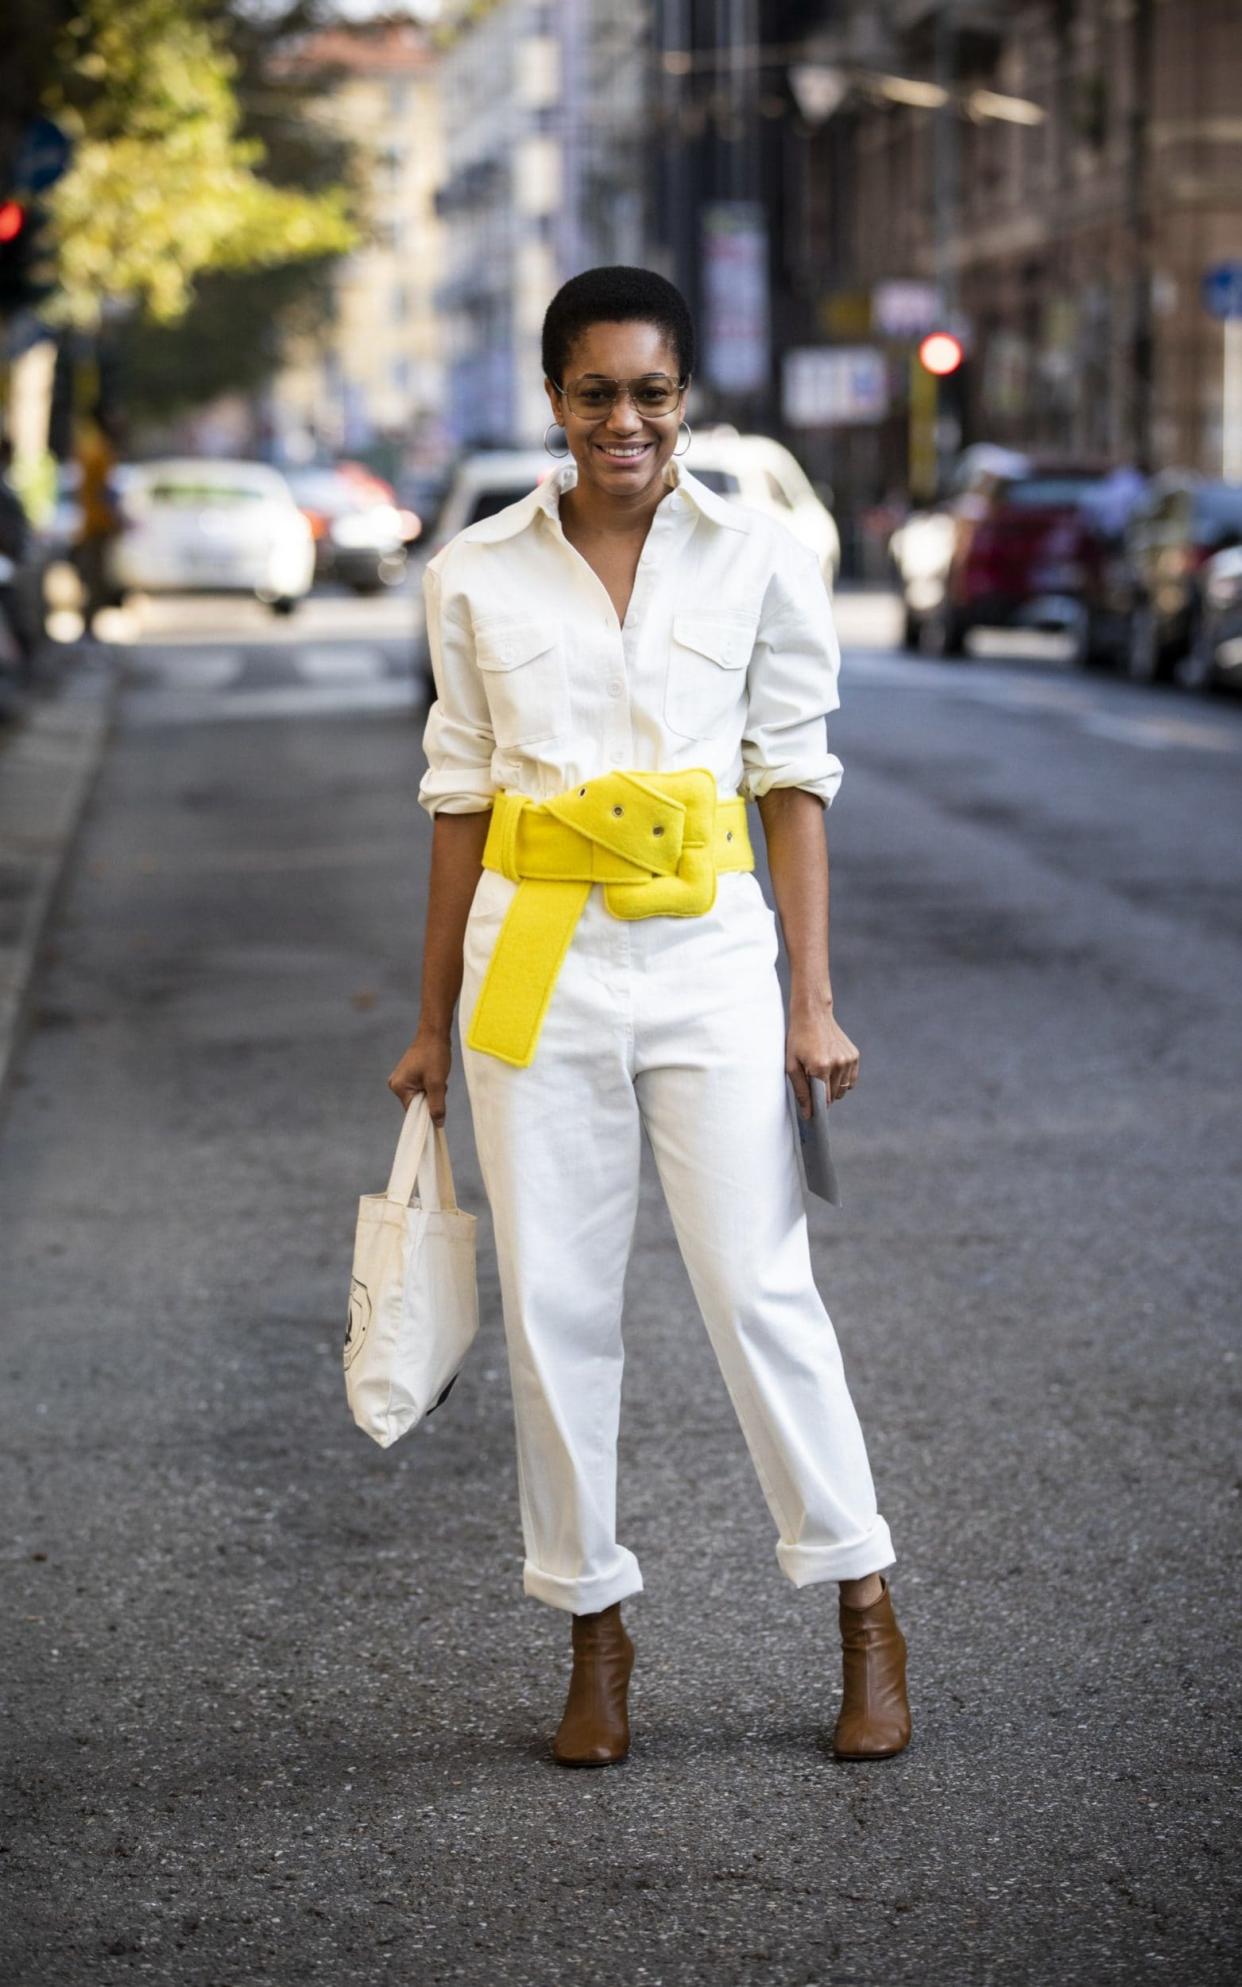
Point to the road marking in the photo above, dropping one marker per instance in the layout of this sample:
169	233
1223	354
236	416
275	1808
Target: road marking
293	700
1160	733
196	669
323	662
333	855
1041	696
1157	732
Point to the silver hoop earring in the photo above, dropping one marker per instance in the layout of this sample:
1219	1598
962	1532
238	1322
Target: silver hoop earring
689	437
555	452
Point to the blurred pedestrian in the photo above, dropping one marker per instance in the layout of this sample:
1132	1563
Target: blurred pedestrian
622	660
17	629
1114	500
99	522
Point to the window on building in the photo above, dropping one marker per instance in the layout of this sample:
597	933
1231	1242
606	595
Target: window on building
1090	109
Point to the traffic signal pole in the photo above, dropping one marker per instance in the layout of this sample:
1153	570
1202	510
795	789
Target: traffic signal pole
921	466
946	168
1138	201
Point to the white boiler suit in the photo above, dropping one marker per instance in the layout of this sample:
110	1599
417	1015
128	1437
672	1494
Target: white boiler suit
727	659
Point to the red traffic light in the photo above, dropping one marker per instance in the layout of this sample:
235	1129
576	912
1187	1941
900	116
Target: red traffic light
941	353
12	219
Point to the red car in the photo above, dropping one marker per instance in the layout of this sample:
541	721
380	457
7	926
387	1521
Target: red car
1030	549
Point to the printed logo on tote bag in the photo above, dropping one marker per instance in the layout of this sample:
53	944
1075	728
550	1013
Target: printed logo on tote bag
359	1319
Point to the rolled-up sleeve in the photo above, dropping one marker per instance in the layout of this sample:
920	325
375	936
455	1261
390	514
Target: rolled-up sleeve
457	737
792	682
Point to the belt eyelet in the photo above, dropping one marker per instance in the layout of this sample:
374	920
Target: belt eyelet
728	834
618	810
657	831
581	792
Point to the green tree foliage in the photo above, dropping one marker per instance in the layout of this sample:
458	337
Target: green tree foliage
165	187
230	340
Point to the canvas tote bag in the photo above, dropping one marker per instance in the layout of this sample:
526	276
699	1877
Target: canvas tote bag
413	1298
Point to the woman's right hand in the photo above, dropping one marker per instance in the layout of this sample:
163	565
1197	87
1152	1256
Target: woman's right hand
424	1067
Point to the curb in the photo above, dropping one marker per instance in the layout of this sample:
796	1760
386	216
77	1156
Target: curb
48	767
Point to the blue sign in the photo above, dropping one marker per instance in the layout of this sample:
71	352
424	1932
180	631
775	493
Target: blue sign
42	156
1222	289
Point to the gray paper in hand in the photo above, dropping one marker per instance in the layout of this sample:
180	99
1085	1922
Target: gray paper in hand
817	1167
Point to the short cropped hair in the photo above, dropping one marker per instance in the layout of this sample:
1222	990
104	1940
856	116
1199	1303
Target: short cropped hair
616	294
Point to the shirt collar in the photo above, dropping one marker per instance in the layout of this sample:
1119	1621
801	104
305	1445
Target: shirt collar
685	490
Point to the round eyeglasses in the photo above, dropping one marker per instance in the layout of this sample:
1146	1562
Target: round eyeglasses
593	396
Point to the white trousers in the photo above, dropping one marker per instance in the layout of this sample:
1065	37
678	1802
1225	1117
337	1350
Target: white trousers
676	1025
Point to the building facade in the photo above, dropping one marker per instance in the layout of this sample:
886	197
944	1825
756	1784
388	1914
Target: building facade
1080	174
372	382
543	109
1050	178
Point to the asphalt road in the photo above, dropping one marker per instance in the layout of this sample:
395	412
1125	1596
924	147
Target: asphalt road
274	1706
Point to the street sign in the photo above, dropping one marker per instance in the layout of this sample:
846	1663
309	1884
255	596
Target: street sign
826	386
905	309
1222	289
42	156
1222	296
735	287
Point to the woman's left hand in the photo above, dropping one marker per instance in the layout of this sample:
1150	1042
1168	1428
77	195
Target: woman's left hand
817	1045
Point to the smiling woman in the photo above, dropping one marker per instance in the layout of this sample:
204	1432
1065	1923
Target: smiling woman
623	659
617	385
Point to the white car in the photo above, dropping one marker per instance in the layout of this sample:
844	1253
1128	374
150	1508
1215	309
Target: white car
484	483
762	473
752	468
212	526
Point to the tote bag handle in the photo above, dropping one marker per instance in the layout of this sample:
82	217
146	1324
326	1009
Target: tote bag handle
422	1159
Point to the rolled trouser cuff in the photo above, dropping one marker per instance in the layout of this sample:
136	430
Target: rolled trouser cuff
585	1596
853	1560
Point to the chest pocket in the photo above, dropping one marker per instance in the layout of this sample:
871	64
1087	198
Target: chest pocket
707	661
523	671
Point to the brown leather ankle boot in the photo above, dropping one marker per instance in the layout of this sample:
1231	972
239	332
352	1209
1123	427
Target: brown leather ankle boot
874	1720
595	1729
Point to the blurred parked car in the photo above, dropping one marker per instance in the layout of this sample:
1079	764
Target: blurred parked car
921	548
1172	537
371	485
422	492
1216	659
762	473
1026	546
360	534
483	483
212	526
750	468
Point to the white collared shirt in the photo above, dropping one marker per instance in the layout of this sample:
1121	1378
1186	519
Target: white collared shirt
727	657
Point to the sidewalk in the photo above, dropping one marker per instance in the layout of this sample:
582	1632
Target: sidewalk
50	752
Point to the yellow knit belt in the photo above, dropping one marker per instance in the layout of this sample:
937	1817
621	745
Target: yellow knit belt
654	840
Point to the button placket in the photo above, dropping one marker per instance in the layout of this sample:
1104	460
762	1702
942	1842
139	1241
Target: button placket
622	671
